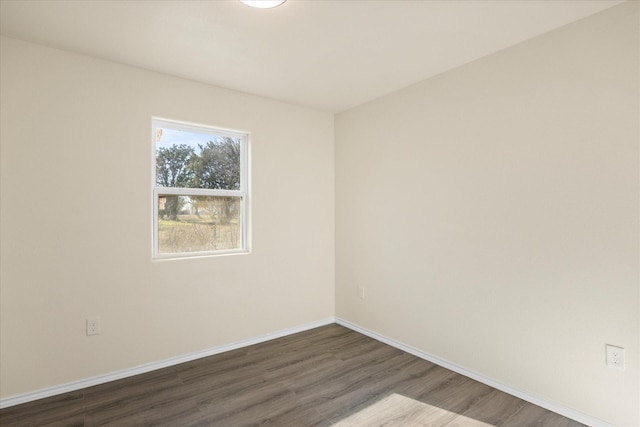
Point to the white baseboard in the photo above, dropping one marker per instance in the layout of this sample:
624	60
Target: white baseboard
566	412
148	367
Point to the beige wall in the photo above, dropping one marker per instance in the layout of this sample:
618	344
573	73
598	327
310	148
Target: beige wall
492	215
76	221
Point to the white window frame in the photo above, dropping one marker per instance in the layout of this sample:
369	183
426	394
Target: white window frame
242	193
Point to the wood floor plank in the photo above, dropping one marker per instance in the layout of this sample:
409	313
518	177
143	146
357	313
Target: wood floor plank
394	411
73	421
328	376
142	412
493	410
130	390
531	415
44	411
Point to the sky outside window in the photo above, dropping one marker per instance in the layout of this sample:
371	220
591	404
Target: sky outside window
168	137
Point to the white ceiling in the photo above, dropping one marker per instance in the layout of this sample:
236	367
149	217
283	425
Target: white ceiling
326	54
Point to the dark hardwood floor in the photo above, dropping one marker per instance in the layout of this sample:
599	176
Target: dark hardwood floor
329	376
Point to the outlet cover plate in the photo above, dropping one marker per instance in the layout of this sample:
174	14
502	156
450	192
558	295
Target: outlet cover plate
93	326
615	356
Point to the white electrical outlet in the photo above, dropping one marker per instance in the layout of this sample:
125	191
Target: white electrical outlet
615	356
361	292
93	326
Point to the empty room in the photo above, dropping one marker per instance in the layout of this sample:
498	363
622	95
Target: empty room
320	213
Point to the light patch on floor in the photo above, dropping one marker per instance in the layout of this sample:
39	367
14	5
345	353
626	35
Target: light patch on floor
396	410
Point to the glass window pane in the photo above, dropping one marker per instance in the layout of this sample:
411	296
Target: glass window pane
198	223
189	159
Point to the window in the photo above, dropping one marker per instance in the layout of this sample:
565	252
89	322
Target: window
199	190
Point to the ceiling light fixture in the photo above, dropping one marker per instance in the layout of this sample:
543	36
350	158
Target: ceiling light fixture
263	4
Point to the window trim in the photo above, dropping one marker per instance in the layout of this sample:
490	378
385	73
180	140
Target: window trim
242	193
